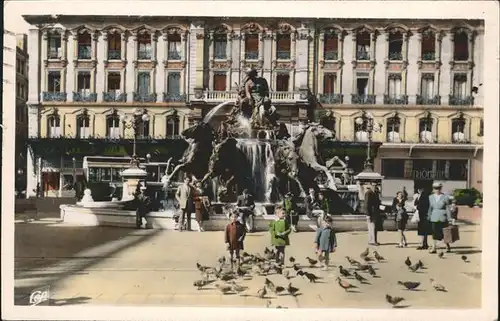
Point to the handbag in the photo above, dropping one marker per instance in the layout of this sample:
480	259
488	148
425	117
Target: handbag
416	217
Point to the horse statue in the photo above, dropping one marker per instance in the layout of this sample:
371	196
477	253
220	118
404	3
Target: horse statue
287	166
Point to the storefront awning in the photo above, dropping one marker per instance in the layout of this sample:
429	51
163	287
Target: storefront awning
410	147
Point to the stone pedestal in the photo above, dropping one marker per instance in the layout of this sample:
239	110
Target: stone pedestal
131	178
367	179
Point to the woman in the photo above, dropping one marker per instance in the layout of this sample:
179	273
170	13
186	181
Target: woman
401	217
201	206
421	203
439	215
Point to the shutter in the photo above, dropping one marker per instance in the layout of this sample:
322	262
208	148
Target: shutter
283	42
428	44
282	81
329	83
251	43
331	42
220	82
173	83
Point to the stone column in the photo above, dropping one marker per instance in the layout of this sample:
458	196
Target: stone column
261	45
200	45
183	46
229	55
211	58
195	29
437	78
354	64
414	55
347	68
293	45
130	68
154	71
470	60
44	56
70	69
373	59
123	52
102	50
35	49
404	71
160	67
185	61
445	81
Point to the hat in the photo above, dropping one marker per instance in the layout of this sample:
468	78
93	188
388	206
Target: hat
437	185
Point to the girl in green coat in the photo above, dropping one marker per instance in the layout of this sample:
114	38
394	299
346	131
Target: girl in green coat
280	230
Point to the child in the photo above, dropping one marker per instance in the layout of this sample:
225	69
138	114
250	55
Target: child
234	236
325	241
280	229
401	218
453	211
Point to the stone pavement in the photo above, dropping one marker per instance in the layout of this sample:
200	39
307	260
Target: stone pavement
118	266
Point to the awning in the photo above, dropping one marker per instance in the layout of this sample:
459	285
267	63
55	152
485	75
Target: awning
410	147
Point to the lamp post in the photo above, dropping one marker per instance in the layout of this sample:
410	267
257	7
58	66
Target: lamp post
138	116
19	188
367	122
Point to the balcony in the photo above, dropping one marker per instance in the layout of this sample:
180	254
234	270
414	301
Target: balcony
252	55
276	96
283	55
84	52
53	96
363	99
331	98
173	97
54	53
220	55
429	56
173	55
113	96
144	98
422	100
114	54
331	55
219	96
460	101
395	56
84	97
395	100
362	55
144	55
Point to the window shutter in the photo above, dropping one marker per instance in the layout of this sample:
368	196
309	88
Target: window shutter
173	83
282	82
283	42
329	83
220	82
331	42
251	42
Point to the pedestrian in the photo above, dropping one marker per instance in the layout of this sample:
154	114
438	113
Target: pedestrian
291	210
372	212
201	206
234	237
143	205
401	217
405	194
325	241
184	196
246	205
421	204
439	215
280	230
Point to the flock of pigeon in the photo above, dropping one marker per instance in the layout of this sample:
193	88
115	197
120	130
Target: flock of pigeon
251	265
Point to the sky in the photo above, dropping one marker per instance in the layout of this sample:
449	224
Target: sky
13	21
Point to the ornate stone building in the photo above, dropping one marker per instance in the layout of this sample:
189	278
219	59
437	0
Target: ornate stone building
420	79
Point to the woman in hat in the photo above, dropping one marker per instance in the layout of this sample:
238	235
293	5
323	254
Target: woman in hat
439	215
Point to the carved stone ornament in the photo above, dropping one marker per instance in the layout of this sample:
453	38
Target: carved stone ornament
285	28
285	65
303	36
200	36
251	27
221	29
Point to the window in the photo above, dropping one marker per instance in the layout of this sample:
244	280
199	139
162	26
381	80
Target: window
283	45
481	128
83	125
395	86
172	126
251	46
174	46
331	44
363	46
393	128
427	86
84	45
330	83
54	46
113	127
143	130
393	168
144	42
83	85
174	83
453	170
54	126
362	85
458	130
282	82
114	82
460	86
18	66
396	46
428	50
220	81
425	130
461	46
114	46
54	82
143	83
220	46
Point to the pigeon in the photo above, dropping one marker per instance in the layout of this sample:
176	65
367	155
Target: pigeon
224	288
407	261
437	286
240	271
344	272
279	289
201	268
394	300
345	285
301	273
464	258
222	260
321	258
266	268
238	288
227	277
278	269
262	292
268	304
292	290
201	283
311	261
371	270
420	265
256	269
409	285
266	250
378	257
269	284
363	267
359	277
296	267
364	253
352	262
367	259
245	254
441	255
291	259
414	268
312	278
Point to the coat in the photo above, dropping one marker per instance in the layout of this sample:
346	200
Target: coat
438	208
280	226
399	210
201	205
184	196
325	239
421	203
372	203
235	235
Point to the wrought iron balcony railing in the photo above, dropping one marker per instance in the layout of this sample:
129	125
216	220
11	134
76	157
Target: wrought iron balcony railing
53	96
174	55
54	53
220	55
429	56
84	97
252	55
395	56
363	99
113	96
362	55
144	55
461	57
331	98
84	52
114	54
173	97
396	100
331	55
460	100
423	100
283	54
144	98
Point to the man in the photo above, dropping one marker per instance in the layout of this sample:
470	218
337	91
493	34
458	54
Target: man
246	205
372	211
143	206
290	207
184	196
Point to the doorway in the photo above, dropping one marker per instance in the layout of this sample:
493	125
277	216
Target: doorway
425	184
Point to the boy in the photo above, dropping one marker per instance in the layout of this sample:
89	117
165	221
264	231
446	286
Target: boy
233	237
280	229
325	241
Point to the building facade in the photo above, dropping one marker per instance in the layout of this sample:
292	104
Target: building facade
420	79
21	110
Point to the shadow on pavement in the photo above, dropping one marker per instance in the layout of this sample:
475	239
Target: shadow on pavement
69	301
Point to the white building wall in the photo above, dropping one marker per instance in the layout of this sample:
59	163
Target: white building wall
445	84
412	79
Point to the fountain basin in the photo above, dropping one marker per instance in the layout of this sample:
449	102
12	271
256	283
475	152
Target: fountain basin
164	220
112	204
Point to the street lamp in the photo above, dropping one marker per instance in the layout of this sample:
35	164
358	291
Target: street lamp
138	116
367	122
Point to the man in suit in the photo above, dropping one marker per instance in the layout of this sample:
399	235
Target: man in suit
143	205
372	211
246	205
184	196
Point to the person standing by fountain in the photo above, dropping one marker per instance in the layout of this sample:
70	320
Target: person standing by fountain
372	212
280	230
201	205
143	205
246	206
184	196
